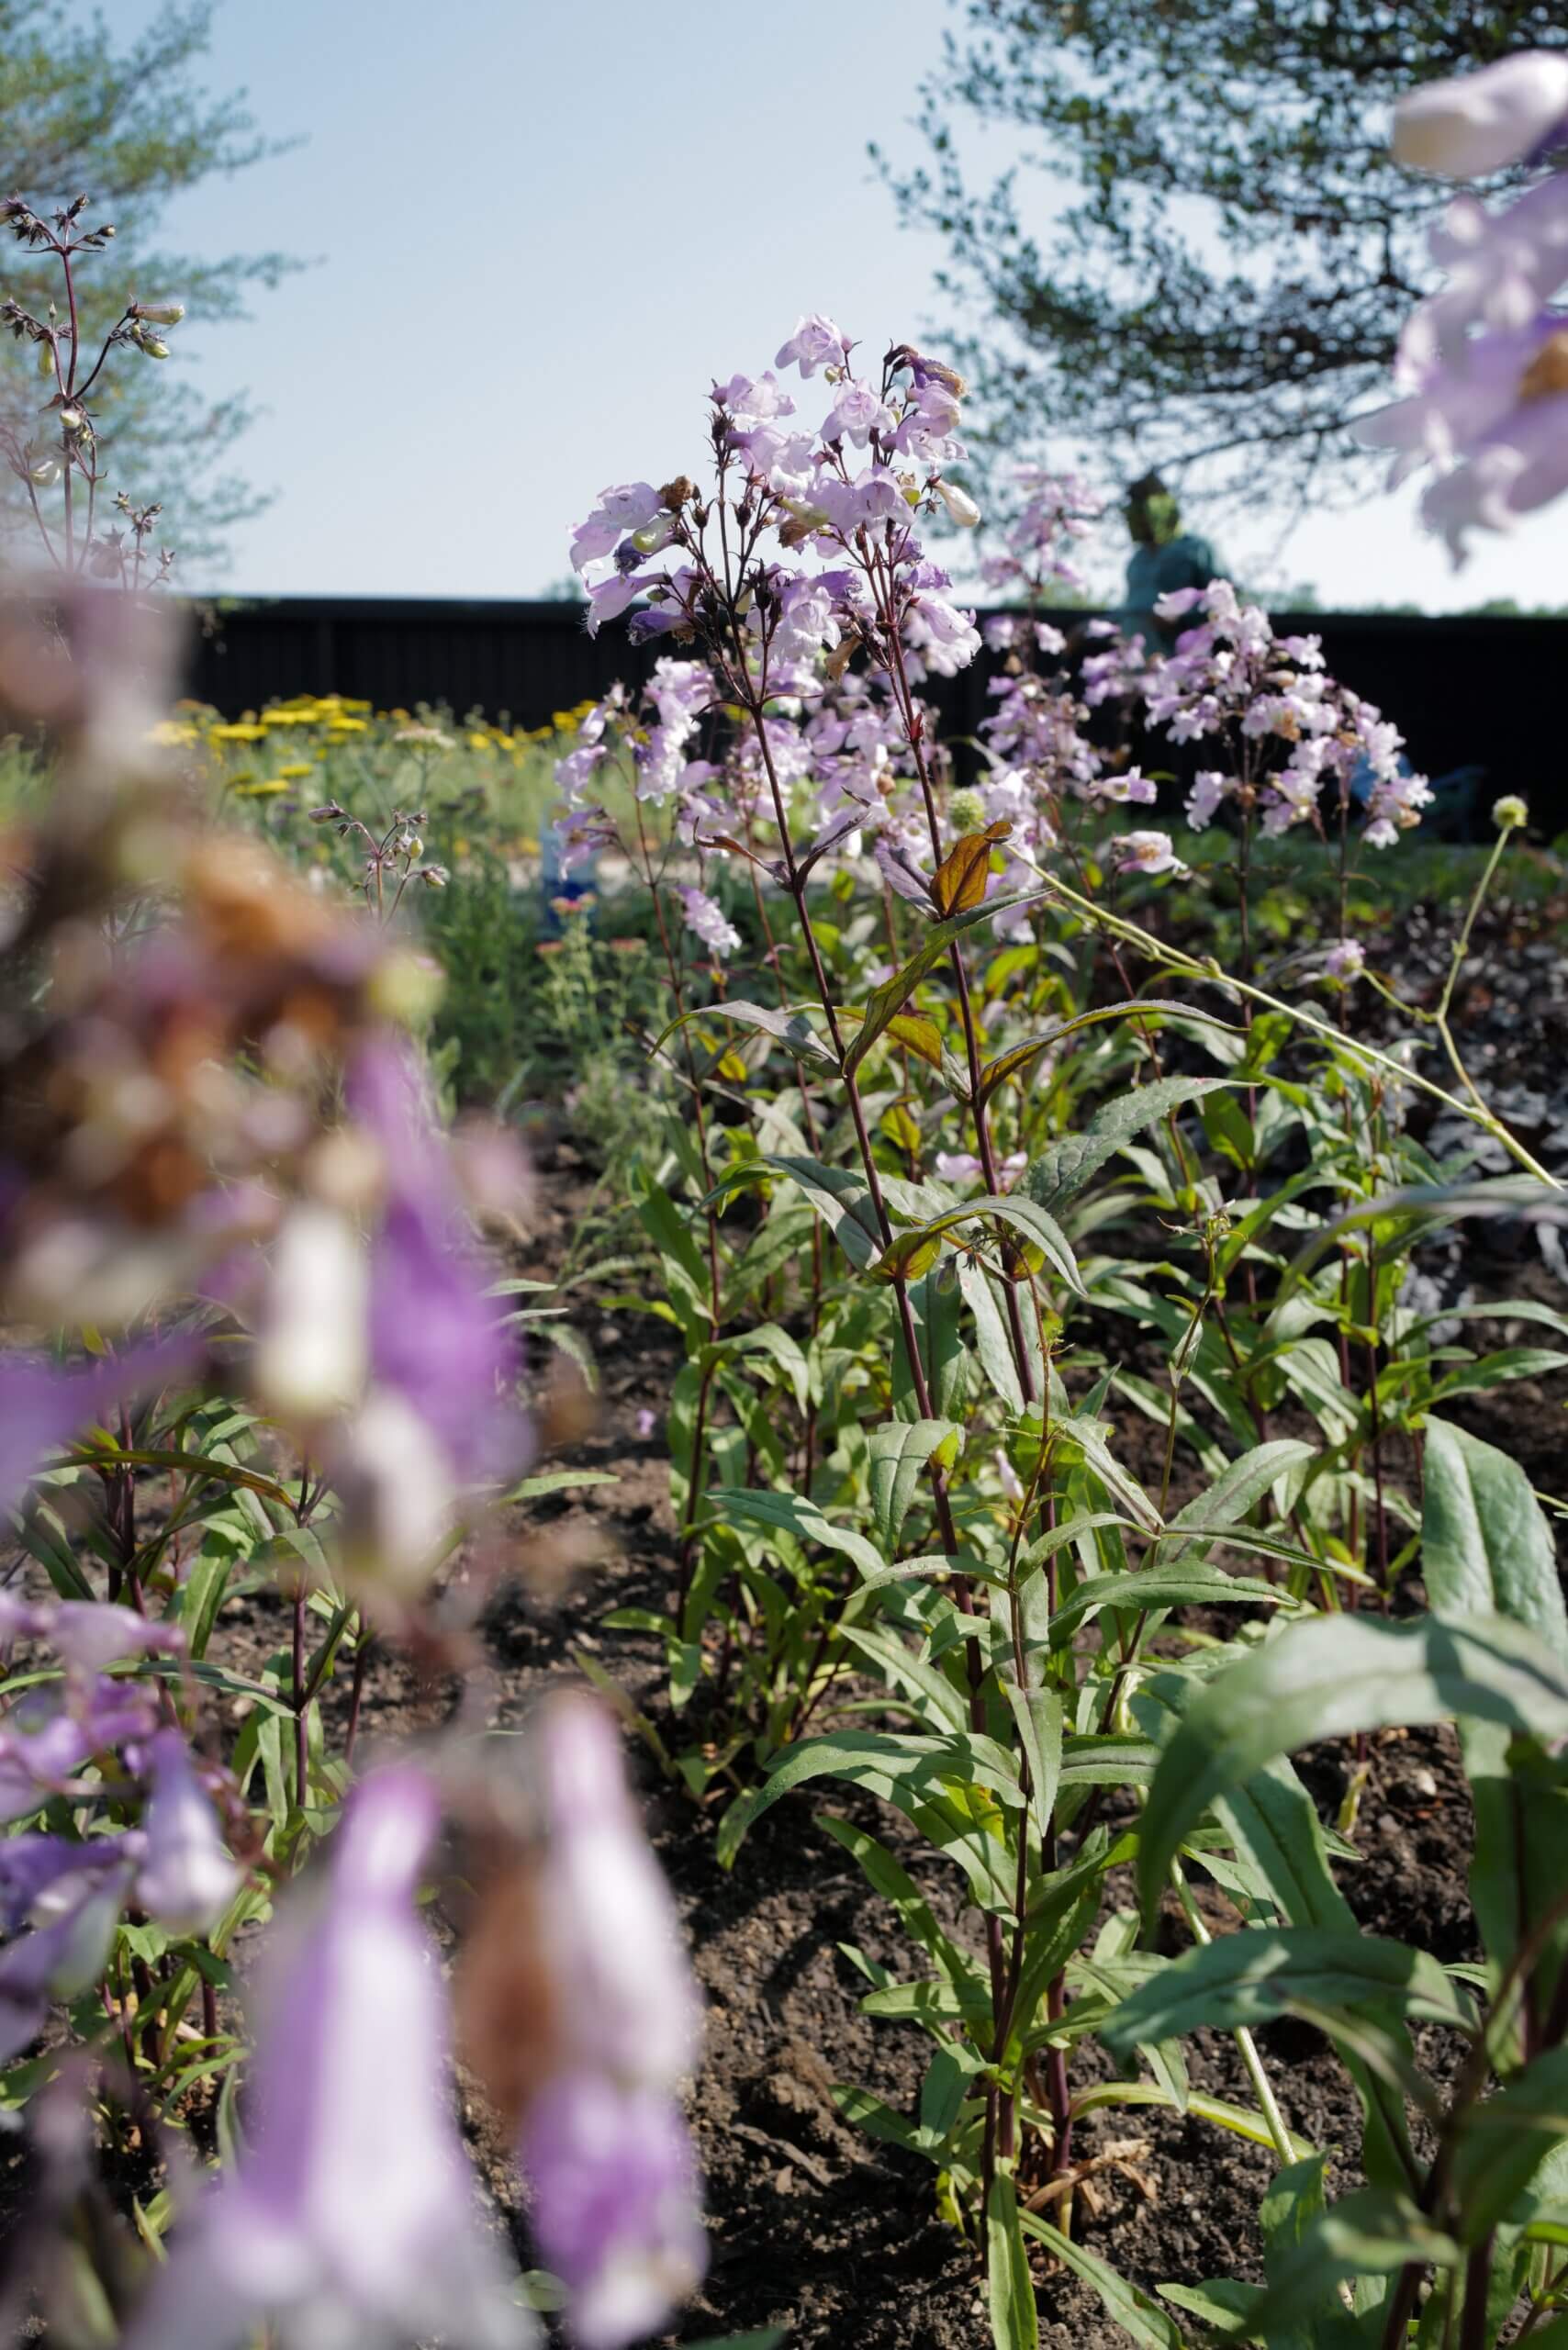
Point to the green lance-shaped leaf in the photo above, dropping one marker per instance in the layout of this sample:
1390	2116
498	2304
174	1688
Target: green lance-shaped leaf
1414	1205
886	1001
791	1029
767	1338
840	1199
1329	1678
1486	1547
1257	1973
180	1463
897	1454
1485	1544
793	1514
770	2337
1369	2232
1239	1489
1010	2289
1274	1825
1131	2308
1161	1586
913	1031
1038	1715
912	1252
1505	2139
1154	1008
893	1883
1062	1171
889	1762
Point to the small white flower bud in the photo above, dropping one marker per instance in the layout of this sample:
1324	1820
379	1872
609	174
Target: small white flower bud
961	507
1509	811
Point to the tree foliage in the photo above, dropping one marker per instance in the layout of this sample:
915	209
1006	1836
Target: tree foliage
1203	250
132	125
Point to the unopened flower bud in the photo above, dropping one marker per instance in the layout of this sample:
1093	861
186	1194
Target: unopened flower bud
148	344
46	358
1509	811
161	314
325	815
434	876
72	420
655	535
961	507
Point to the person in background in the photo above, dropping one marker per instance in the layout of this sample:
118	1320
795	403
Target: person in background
1164	557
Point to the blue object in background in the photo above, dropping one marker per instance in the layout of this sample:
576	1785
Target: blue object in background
1451	815
555	884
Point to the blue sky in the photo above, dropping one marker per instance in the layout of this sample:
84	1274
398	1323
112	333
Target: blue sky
540	229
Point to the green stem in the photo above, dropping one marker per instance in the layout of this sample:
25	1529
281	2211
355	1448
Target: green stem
1267	2104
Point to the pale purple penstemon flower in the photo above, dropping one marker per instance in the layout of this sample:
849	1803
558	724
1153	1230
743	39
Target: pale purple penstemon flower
849	495
1146	852
1303	748
1483	364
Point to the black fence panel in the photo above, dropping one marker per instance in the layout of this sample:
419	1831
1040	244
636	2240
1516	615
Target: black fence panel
1467	690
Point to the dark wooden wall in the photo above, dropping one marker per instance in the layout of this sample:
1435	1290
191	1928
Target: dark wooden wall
1482	691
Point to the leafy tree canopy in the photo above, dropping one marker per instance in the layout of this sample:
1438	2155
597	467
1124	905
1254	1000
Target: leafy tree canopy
1204	252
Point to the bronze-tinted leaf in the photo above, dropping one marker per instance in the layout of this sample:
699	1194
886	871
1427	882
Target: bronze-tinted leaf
959	880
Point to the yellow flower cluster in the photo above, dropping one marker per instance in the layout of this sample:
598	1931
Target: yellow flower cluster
334	717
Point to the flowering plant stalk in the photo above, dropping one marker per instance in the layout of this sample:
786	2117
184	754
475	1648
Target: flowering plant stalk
963	1523
72	458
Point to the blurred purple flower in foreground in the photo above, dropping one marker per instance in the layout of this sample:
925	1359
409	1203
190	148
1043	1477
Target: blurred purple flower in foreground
187	1879
615	2200
440	1413
1483	122
1484	363
351	2216
76	1916
42	1405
